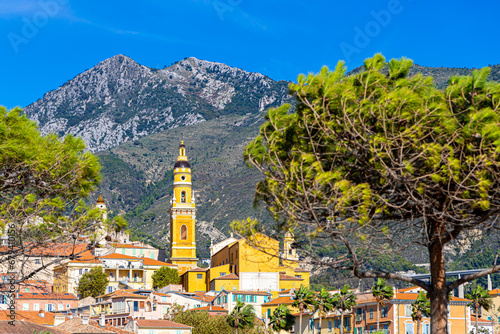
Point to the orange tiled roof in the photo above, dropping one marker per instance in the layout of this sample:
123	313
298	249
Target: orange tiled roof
494	292
32	316
479	320
116	291
159	324
119	256
51	296
205	297
297	270
284	277
259	293
26	327
152	262
228	276
280	300
122	293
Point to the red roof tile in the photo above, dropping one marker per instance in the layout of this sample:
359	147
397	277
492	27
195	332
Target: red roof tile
119	256
47	319
284	277
153	262
280	300
228	276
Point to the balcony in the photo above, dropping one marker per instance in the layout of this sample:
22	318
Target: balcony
127	280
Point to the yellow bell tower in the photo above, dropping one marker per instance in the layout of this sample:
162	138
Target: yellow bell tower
182	216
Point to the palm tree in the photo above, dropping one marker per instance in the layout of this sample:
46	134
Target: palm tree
480	298
242	316
381	291
420	308
281	319
344	300
303	299
323	304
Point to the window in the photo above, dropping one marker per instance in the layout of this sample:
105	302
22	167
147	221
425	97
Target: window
199	276
234	298
384	312
38	261
184	232
151	331
153	256
371	312
255	299
426	329
50	307
26	307
409	329
36	307
123	250
60	307
178	332
165	308
311	324
164	298
268	313
329	326
265	299
26	289
249	298
183	178
133	251
298	276
80	271
317	326
407	310
136	306
225	299
183	196
67	306
142	251
218	300
222	274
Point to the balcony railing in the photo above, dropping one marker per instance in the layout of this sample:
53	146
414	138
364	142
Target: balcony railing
381	331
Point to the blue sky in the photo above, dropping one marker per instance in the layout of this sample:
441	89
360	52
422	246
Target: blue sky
44	43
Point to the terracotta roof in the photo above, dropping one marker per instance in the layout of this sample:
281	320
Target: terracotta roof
32	316
198	269
300	270
51	296
210	309
303	313
280	300
116	291
119	256
479	320
110	328
205	297
75	326
284	277
57	249
152	262
228	276
121	293
159	324
494	292
26	327
86	257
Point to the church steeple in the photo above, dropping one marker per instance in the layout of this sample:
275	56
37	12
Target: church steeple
182	215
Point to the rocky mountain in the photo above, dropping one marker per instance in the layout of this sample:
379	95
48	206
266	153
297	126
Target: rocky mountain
120	100
134	116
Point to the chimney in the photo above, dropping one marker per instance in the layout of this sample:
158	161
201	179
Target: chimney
59	319
210	307
41	314
85	319
70	315
102	320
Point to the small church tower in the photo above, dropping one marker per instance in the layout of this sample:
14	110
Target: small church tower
289	258
182	216
102	206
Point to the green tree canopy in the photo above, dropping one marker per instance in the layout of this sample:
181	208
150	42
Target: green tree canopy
43	180
165	276
242	316
281	319
93	283
382	292
203	323
379	161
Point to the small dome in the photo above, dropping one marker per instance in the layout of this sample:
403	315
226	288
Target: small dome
182	164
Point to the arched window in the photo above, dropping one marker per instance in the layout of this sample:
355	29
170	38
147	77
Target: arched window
184	232
183	196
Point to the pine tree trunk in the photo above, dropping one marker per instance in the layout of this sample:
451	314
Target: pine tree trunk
438	293
378	317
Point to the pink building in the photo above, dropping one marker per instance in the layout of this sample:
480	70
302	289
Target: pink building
45	301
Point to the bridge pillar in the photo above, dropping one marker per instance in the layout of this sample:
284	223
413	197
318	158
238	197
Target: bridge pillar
489	283
460	289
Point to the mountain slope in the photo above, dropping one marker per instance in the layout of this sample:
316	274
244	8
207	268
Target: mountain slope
120	100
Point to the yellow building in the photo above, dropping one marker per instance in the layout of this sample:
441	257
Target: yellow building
182	216
253	264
